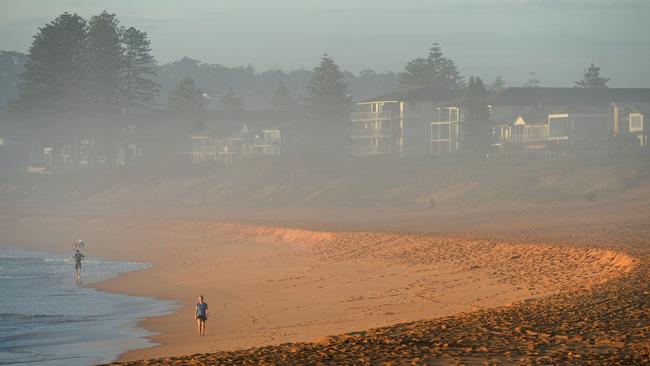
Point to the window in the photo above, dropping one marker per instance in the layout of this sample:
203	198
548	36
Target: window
636	122
559	128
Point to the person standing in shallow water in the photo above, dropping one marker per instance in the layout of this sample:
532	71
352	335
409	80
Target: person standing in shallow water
201	316
78	257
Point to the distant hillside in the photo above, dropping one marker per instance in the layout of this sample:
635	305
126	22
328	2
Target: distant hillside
256	88
268	182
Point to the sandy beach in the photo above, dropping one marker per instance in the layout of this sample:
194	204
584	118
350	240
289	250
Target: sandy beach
457	182
269	285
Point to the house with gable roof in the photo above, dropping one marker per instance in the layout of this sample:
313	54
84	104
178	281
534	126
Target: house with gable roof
537	118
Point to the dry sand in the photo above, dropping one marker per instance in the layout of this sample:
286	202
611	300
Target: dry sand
271	285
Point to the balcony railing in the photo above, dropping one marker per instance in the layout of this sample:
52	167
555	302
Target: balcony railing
370	116
370	133
524	134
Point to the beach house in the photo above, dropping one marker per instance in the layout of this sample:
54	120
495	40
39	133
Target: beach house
539	118
231	136
413	122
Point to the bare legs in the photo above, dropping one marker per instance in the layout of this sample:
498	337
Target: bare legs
200	327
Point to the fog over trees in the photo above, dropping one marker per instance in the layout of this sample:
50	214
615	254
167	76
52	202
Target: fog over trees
140	68
498	84
476	132
282	99
436	71
85	75
231	101
533	82
55	81
89	93
328	104
592	78
114	66
86	82
188	101
11	66
256	88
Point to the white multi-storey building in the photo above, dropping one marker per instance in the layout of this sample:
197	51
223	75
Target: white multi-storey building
409	123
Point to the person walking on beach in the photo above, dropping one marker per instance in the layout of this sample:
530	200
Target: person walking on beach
78	257
201	316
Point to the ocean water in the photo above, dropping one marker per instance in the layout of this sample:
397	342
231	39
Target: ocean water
47	318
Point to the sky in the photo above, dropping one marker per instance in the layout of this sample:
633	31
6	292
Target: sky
555	39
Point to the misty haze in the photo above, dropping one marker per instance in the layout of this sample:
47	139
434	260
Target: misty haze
302	183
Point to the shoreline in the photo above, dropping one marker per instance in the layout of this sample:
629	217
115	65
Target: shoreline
277	238
52	328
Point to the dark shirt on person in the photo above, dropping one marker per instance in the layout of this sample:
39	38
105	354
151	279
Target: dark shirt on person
202	311
78	257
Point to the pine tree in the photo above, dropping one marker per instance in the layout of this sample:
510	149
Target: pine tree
54	82
451	79
327	99
498	84
281	100
188	100
435	71
436	56
77	79
417	73
106	62
230	101
592	78
533	82
186	97
328	105
476	134
139	67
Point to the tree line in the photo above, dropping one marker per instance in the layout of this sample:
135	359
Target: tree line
82	73
92	75
259	90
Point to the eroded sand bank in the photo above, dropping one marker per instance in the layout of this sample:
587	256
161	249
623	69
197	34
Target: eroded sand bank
268	285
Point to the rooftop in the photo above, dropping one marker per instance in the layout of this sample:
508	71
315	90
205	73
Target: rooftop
571	96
